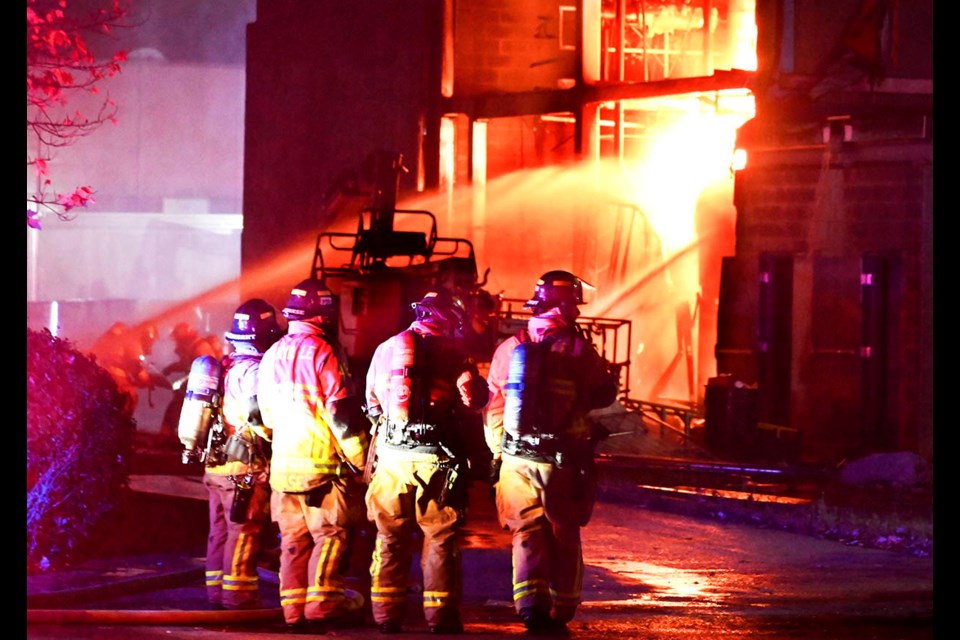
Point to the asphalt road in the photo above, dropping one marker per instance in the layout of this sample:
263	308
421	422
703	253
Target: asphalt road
649	575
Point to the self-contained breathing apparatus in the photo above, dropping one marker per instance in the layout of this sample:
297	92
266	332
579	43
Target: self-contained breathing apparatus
532	389
204	437
417	404
411	420
540	393
201	429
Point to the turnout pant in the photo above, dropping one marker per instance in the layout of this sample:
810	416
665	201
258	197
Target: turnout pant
538	503
402	496
313	541
233	548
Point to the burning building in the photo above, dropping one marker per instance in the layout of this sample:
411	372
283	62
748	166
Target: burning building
597	136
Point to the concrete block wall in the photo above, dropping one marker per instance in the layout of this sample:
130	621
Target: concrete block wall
871	199
508	46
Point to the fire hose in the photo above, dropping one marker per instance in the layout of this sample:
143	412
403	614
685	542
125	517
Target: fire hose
43	615
148	617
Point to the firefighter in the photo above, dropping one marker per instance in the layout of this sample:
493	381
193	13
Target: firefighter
123	351
542	445
417	382
479	332
320	440
237	478
188	345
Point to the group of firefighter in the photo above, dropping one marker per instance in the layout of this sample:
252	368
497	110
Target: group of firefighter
125	352
305	445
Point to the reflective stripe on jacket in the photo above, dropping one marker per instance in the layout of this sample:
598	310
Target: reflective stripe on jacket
302	376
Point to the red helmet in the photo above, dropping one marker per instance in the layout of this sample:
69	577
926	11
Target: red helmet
183	333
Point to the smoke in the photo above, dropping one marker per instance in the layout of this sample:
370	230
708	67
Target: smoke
648	234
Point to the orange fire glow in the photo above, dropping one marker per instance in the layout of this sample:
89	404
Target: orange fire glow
649	232
637	231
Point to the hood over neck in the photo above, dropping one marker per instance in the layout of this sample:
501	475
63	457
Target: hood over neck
550	321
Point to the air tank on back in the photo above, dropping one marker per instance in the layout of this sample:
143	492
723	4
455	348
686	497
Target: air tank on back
200	406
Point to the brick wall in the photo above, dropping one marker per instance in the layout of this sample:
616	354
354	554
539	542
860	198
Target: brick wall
507	46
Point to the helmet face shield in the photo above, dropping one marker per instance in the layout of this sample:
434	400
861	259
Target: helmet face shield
588	292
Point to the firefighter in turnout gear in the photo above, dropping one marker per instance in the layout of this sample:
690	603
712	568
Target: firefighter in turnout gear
124	352
237	476
417	383
543	381
320	439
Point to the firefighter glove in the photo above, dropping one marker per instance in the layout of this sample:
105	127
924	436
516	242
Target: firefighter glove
495	471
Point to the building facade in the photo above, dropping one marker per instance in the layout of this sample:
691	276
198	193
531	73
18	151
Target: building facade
521	124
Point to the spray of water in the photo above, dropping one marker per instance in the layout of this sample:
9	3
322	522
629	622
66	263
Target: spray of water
648	234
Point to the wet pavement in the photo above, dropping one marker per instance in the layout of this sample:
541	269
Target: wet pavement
648	574
661	562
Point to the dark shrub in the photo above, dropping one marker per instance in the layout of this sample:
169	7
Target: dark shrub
79	443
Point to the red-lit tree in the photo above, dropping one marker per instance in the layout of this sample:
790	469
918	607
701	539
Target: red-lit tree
60	65
79	445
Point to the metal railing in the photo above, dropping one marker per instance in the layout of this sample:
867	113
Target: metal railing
659	413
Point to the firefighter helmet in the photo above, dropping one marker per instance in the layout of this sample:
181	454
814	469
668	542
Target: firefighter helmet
184	337
442	310
557	289
312	299
183	333
254	322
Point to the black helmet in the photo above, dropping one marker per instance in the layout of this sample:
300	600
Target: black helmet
254	322
441	309
556	289
311	299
